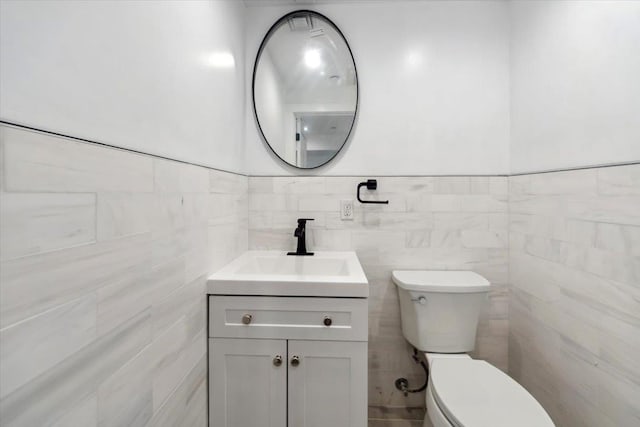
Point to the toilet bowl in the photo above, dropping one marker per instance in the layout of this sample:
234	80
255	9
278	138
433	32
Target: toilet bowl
440	312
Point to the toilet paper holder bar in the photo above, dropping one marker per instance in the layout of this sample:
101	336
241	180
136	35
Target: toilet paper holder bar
371	184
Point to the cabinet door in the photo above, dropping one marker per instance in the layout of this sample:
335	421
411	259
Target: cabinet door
328	385
246	386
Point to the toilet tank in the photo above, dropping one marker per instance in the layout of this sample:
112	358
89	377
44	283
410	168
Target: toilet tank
440	309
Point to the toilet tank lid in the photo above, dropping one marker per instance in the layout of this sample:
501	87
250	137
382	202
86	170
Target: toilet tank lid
450	281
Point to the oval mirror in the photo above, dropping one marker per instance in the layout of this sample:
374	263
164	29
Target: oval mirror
305	89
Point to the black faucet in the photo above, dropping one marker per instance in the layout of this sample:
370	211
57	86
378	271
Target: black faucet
300	233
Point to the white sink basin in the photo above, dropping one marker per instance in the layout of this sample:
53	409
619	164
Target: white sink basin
325	274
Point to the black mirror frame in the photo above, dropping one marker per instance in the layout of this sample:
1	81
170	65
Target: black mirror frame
253	84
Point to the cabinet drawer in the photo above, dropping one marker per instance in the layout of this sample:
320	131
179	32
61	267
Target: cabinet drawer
288	318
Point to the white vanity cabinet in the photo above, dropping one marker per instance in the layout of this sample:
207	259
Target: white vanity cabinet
246	387
287	361
329	385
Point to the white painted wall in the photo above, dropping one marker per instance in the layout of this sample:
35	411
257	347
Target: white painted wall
136	74
434	79
434	88
575	83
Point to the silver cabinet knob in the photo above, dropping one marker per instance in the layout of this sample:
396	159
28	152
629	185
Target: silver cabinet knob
246	319
295	361
327	321
277	361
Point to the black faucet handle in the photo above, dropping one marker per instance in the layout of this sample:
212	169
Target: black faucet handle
303	221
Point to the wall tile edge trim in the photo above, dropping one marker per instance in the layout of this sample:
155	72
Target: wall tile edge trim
107	145
104	144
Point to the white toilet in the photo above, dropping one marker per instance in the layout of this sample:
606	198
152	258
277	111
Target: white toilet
440	311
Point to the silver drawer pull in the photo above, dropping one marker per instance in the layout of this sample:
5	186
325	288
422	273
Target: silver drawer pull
246	319
295	361
277	361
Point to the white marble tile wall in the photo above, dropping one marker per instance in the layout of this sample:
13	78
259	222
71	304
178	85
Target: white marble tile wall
574	311
430	223
104	255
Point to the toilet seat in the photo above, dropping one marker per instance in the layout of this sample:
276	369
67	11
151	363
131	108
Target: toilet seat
473	393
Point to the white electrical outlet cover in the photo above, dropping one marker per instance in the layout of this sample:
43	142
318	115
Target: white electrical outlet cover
346	209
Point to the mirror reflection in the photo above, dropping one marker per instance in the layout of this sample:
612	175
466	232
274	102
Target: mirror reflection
305	89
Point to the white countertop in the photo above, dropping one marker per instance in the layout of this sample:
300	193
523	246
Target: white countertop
274	273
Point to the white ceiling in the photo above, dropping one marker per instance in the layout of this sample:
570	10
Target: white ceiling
251	3
331	81
326	124
325	131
